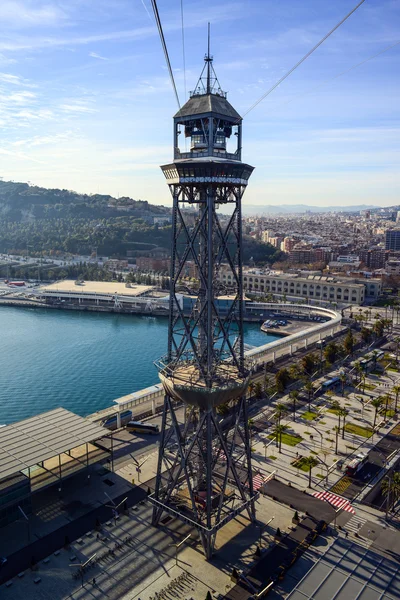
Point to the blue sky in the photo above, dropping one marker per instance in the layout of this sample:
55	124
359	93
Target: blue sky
86	102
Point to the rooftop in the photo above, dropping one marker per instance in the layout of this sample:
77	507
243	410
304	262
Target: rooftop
95	287
26	443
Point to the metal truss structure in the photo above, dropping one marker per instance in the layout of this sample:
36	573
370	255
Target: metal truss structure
204	474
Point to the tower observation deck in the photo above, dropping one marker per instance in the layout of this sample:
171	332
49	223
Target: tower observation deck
204	472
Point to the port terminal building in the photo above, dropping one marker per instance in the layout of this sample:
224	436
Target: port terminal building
43	451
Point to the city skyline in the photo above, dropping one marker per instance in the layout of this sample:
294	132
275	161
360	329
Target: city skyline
86	102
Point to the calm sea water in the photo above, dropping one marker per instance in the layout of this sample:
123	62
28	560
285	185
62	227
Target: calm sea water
81	361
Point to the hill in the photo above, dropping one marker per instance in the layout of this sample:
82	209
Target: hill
22	202
53	221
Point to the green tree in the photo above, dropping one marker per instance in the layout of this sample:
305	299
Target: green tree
331	352
308	386
343	413
294	396
279	430
258	391
349	342
376	403
282	378
280	411
308	364
391	488
396	391
310	462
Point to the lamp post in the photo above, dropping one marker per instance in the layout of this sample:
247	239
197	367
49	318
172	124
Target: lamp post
83	565
114	507
177	546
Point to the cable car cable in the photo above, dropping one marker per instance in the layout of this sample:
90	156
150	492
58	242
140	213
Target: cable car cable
164	46
303	59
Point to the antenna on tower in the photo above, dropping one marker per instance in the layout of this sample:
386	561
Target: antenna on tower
208	60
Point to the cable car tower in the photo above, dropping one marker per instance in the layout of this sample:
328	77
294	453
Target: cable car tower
204	475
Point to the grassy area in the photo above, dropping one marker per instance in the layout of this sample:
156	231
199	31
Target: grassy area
358	430
309	416
320	476
393	369
369	386
288	439
301	464
334	411
329	440
272	457
389	413
322	422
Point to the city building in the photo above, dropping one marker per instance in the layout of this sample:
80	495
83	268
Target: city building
392	240
313	287
149	263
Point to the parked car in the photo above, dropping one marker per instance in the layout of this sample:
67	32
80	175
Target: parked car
3	561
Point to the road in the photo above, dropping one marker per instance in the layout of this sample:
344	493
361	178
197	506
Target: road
350	487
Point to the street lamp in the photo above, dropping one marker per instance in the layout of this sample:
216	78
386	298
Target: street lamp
177	546
82	566
114	507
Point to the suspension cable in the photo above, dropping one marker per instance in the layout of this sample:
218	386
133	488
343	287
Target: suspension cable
320	85
303	59
183	50
164	46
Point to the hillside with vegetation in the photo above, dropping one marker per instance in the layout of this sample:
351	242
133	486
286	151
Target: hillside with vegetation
39	221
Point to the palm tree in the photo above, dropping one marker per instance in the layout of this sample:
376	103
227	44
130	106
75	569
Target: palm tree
310	462
310	390
396	390
258	390
388	400
358	368
294	395
280	410
278	431
376	403
342	380
391	489
343	412
337	431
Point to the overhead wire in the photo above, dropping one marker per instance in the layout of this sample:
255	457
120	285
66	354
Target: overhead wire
338	75
303	59
164	46
183	49
184	61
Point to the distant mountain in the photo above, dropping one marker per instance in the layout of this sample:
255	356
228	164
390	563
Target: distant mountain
285	209
22	202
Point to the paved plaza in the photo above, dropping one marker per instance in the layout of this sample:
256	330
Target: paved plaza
134	560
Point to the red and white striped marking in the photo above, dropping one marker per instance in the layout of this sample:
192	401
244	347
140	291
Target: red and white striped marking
258	481
337	501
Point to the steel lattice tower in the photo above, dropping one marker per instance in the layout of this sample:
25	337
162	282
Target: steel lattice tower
204	472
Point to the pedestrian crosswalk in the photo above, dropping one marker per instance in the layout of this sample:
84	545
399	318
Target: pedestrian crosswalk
337	502
258	481
355	524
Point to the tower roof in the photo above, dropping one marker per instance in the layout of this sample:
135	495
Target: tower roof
207	103
208	96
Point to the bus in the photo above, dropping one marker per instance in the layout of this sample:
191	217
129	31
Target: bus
356	464
139	427
111	422
330	383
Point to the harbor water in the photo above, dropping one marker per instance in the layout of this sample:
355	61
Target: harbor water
79	360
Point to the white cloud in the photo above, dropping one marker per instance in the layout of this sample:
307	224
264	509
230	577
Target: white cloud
19	14
95	55
77	107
